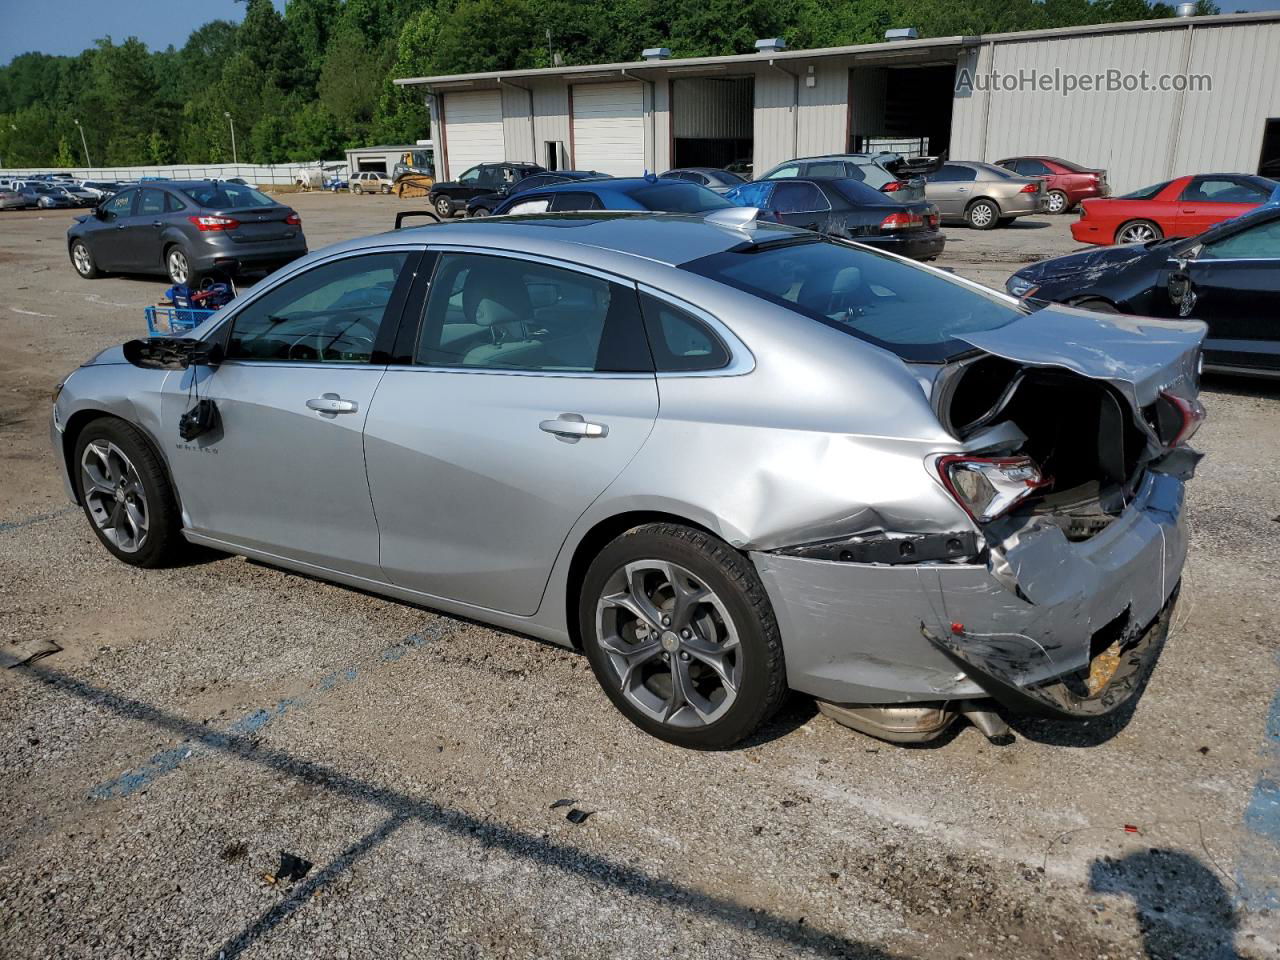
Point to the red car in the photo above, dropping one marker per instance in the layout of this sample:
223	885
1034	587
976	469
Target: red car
1176	208
1066	184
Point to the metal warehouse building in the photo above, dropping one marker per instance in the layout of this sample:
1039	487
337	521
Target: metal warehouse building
1219	109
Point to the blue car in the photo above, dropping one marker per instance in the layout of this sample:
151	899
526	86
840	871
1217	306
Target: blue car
636	193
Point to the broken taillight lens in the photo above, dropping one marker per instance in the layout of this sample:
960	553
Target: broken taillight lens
989	487
1178	418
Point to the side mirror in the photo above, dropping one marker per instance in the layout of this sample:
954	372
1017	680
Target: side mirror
1182	292
101	213
172	353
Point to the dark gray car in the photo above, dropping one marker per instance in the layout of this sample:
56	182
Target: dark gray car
186	229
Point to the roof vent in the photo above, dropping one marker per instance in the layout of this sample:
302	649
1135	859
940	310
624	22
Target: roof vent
904	33
771	45
1185	9
655	53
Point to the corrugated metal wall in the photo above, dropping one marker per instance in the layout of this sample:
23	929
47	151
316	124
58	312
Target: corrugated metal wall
1139	137
713	107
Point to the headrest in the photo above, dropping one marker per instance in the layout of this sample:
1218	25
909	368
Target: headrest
492	297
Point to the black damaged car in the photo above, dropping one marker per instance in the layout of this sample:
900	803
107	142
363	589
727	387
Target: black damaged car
1228	276
451	196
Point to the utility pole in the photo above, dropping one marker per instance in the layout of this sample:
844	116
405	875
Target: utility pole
234	158
83	143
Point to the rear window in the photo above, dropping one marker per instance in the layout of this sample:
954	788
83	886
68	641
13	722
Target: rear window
872	174
1146	193
910	310
860	194
227	196
678	198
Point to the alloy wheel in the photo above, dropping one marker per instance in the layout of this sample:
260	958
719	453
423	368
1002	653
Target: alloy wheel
80	257
670	642
981	214
1136	233
178	267
115	496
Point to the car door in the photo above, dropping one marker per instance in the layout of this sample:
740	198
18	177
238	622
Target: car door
1211	199
531	388
283	471
106	238
950	188
140	232
800	203
1235	289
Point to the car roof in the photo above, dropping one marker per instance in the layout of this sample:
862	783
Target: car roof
665	238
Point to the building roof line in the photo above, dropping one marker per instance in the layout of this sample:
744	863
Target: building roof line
880	48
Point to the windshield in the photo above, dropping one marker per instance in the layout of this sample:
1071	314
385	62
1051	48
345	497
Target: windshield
678	197
227	196
913	311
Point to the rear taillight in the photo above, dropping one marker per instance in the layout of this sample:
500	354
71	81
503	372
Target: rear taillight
1031	188
989	487
293	220
893	186
207	224
901	221
1178	418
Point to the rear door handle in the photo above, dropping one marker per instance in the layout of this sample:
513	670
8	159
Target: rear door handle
330	405
572	427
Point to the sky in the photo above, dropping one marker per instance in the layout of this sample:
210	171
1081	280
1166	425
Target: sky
69	26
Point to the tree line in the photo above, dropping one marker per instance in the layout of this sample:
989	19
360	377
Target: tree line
308	83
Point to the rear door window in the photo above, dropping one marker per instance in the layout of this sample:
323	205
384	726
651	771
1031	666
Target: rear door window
502	313
1259	242
825	168
151	204
782	173
679	341
799	197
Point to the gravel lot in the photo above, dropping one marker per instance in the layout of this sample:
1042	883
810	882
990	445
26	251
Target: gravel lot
199	721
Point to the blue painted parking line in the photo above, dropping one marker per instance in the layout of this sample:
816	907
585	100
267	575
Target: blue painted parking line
166	761
1258	873
9	525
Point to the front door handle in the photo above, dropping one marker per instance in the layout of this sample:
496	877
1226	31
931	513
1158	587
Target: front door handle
330	405
572	427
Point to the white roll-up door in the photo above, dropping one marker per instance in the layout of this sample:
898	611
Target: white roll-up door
473	129
608	128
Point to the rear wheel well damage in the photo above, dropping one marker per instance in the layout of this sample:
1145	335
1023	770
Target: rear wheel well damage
595	540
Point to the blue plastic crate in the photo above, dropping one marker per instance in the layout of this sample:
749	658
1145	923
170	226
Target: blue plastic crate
169	321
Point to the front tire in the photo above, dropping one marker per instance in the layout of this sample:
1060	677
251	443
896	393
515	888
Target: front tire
82	260
126	494
682	637
982	215
479	212
444	207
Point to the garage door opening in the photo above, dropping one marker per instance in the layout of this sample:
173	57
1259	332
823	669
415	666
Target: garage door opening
372	166
1269	159
905	110
712	122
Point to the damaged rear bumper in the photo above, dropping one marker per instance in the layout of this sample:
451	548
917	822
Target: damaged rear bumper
1047	626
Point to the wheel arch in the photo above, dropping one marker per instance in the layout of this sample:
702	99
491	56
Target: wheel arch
82	418
596	539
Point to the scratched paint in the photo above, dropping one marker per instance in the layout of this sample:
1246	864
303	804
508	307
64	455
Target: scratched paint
1258	873
169	760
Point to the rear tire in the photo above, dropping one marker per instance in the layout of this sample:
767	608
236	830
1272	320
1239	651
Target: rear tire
682	637
479	212
982	215
125	492
82	260
178	266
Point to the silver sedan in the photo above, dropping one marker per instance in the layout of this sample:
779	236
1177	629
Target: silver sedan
724	459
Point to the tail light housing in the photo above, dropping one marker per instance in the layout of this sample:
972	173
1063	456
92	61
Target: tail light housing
1031	188
1178	418
989	487
293	220
901	221
212	224
893	186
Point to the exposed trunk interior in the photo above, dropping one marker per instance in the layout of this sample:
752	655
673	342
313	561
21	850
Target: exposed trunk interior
1080	432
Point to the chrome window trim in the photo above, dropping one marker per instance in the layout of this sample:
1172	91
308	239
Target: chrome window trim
741	359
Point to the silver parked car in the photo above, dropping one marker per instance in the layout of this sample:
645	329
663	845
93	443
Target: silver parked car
724	459
983	195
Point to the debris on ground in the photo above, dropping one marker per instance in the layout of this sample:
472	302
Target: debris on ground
578	816
25	651
292	868
560	803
